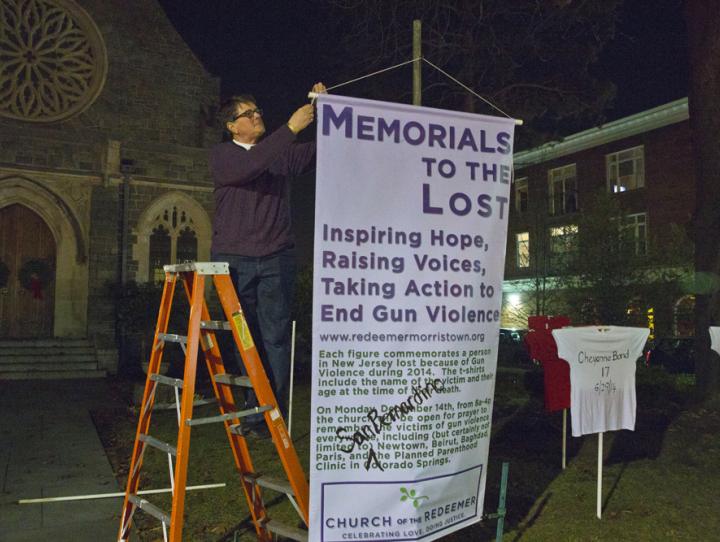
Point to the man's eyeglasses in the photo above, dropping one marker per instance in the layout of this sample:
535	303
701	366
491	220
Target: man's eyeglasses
248	114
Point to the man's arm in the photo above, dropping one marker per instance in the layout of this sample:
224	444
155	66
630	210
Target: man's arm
300	157
232	165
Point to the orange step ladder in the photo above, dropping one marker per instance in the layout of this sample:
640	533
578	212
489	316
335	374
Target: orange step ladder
201	332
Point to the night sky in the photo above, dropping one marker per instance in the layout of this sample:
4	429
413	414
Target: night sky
648	59
271	49
265	48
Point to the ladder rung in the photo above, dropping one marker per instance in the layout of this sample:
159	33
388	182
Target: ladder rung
208	401
293	533
196	402
276	484
229	415
149	508
233	380
217	325
201	268
159	444
172	338
174	382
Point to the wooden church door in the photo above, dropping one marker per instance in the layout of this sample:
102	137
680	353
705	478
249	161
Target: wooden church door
27	274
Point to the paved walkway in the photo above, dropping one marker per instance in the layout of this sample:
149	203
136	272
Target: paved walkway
49	448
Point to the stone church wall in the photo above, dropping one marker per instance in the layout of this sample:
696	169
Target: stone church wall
153	113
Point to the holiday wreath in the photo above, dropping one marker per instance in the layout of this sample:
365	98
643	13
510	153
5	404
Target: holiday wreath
35	276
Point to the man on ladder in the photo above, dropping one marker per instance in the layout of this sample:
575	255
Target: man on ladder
252	249
251	230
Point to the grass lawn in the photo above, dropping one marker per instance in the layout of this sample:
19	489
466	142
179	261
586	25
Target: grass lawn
660	482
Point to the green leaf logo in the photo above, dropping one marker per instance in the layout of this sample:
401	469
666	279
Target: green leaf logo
412	496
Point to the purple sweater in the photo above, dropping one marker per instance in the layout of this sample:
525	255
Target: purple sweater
252	193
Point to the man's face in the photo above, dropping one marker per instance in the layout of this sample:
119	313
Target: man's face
247	128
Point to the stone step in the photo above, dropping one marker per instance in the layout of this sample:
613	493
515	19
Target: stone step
49	365
51	375
47	357
43	343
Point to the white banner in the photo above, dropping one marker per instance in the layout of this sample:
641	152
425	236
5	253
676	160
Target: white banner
411	224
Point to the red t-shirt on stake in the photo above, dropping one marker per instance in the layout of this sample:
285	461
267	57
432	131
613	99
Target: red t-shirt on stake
556	372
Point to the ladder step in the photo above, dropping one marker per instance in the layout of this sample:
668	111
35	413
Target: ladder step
201	268
276	484
229	415
233	380
172	338
160	379
217	325
149	508
159	444
293	533
196	402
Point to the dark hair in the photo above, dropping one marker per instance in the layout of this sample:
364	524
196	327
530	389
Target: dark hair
228	108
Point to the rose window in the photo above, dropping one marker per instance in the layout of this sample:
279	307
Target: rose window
52	60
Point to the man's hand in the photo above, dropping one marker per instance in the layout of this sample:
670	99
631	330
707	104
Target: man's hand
318	88
301	118
306	114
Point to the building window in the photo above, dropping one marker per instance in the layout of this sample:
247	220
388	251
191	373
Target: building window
626	169
522	250
186	225
54	60
635	233
563	244
173	240
160	249
186	246
521	195
562	188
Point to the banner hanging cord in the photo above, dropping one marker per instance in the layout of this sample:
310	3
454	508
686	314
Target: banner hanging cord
373	74
471	91
446	74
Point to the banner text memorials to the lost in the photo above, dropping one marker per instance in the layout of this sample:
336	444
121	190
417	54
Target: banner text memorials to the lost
411	218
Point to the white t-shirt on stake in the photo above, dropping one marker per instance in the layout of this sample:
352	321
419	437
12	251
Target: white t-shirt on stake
602	375
715	339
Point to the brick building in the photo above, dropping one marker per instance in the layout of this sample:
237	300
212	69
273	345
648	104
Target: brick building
644	161
105	118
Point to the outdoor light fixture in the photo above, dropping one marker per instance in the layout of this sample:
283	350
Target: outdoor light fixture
127	166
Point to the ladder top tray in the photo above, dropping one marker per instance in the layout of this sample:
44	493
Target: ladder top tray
202	268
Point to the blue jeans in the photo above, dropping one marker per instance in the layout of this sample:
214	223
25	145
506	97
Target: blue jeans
265	288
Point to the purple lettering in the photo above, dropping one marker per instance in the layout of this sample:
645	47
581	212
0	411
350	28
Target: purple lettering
345	117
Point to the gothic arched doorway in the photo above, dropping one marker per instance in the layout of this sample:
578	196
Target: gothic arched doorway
27	274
